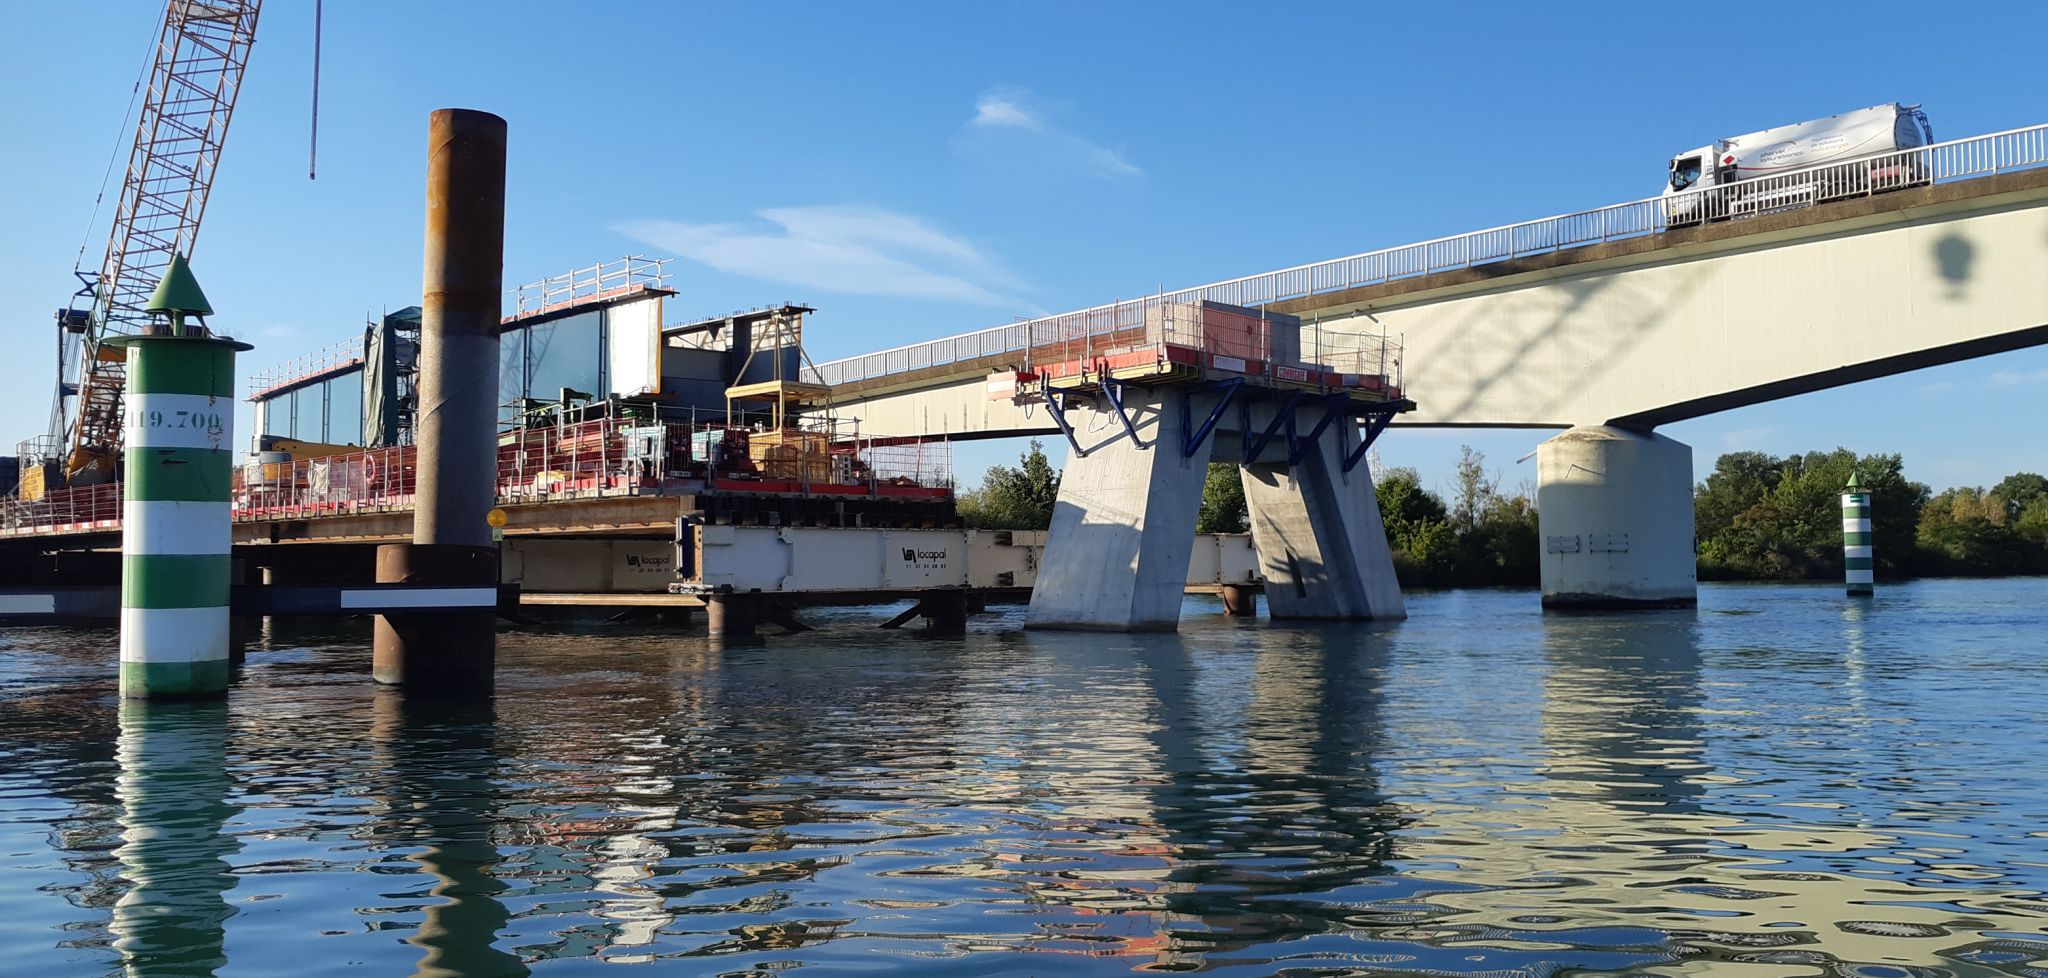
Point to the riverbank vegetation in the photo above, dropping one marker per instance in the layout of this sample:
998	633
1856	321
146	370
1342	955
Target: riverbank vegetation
1755	517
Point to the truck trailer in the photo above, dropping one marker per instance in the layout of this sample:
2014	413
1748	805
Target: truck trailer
1844	155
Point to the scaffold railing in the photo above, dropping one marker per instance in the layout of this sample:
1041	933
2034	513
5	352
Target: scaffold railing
605	279
334	356
599	458
1935	163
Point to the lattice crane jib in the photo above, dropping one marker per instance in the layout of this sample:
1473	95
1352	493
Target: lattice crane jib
201	52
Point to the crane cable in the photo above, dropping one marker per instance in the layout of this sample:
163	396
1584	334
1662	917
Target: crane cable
313	151
122	140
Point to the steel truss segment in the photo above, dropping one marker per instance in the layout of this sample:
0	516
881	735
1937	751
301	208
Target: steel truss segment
1254	444
1334	406
1377	417
1192	436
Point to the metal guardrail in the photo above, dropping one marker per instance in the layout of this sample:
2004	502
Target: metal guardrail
337	354
592	459
602	279
1934	163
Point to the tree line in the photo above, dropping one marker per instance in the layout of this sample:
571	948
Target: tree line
1762	517
1755	517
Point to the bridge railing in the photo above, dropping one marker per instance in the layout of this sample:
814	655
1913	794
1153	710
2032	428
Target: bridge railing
1936	163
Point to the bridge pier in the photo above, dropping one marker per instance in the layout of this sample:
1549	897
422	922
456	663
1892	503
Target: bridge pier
1321	546
1124	527
1614	514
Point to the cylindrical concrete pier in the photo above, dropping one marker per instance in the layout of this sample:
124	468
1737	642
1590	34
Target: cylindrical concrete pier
1859	566
1239	602
453	653
178	427
1614	513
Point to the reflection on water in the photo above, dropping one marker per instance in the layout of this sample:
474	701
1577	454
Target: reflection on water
434	767
1777	784
174	784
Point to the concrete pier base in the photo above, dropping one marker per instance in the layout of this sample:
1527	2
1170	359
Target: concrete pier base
1321	546
1239	602
1614	513
444	653
1124	527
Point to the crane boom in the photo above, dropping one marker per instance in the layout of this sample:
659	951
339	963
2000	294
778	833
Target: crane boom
201	52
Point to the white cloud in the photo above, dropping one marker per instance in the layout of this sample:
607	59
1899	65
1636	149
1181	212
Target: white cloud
2011	378
1744	439
1004	107
1013	108
840	248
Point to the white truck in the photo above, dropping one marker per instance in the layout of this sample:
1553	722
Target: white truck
1804	163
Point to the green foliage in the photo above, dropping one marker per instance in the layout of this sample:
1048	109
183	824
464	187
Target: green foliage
2021	491
1483	538
1014	499
1762	517
1223	505
1971	531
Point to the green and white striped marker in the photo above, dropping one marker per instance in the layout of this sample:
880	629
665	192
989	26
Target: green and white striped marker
177	429
1856	540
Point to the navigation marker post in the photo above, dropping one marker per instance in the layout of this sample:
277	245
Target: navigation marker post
177	428
1856	560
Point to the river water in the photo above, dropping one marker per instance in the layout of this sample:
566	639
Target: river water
1785	782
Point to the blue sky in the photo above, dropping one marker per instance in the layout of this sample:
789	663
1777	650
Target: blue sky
916	170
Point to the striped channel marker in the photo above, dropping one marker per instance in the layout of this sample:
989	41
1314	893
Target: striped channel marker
177	428
1856	558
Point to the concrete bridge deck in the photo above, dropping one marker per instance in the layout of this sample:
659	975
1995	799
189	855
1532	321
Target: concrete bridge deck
1609	316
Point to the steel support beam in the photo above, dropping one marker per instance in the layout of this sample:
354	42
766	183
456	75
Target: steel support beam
1376	417
1191	436
1254	444
1334	406
1114	390
1056	409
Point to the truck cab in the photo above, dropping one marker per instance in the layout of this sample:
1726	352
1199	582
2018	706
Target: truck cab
1692	171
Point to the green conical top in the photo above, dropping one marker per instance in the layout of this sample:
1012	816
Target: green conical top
178	292
1853	484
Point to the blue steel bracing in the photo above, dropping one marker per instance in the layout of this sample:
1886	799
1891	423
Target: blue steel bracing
1114	389
1058	410
1297	449
1191	437
1254	444
1376	419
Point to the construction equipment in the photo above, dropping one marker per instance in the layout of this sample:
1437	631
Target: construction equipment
201	51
